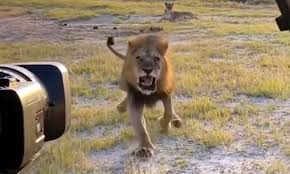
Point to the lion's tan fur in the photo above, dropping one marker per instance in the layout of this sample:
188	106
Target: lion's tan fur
166	84
134	101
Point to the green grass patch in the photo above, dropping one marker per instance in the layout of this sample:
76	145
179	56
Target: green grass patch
198	75
64	52
273	88
100	68
89	117
72	9
213	138
198	107
70	153
223	29
100	92
209	137
205	109
75	9
284	38
65	156
275	63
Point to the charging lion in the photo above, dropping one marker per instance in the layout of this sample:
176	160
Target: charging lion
147	77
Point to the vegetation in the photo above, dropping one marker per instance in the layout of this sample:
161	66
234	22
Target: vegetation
227	61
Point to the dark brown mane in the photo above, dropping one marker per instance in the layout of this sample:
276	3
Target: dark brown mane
148	100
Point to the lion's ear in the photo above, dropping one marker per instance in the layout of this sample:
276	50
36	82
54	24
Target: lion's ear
163	46
131	46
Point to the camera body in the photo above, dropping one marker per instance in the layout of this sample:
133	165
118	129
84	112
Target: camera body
35	107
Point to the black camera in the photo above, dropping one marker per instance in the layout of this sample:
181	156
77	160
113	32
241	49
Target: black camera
34	108
283	21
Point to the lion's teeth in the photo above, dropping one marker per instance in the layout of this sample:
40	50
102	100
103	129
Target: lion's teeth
146	81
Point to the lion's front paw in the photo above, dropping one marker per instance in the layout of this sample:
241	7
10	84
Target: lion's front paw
177	123
144	152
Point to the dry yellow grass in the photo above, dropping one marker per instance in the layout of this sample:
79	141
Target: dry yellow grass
211	70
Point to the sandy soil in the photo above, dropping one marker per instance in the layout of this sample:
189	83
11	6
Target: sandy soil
179	155
33	27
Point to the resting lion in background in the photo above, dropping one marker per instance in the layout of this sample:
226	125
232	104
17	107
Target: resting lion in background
171	15
147	77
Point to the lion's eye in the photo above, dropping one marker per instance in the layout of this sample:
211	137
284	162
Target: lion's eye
156	59
138	58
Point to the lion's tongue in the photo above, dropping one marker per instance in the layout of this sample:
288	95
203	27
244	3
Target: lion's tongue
147	81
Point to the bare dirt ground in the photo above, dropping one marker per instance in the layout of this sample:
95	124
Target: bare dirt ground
174	155
180	155
33	27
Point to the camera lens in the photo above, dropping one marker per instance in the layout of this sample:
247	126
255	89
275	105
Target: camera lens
1	127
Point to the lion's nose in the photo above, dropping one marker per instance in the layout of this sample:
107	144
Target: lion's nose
147	70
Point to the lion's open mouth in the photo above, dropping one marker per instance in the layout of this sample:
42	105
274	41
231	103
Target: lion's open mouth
147	84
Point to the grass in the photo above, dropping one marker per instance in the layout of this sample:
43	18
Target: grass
242	112
198	107
72	9
205	109
245	109
211	62
286	150
269	88
227	57
89	117
95	66
258	47
99	68
284	38
204	122
110	141
209	137
273	62
56	157
214	138
71	153
222	29
276	167
99	92
11	11
260	81
265	134
40	51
